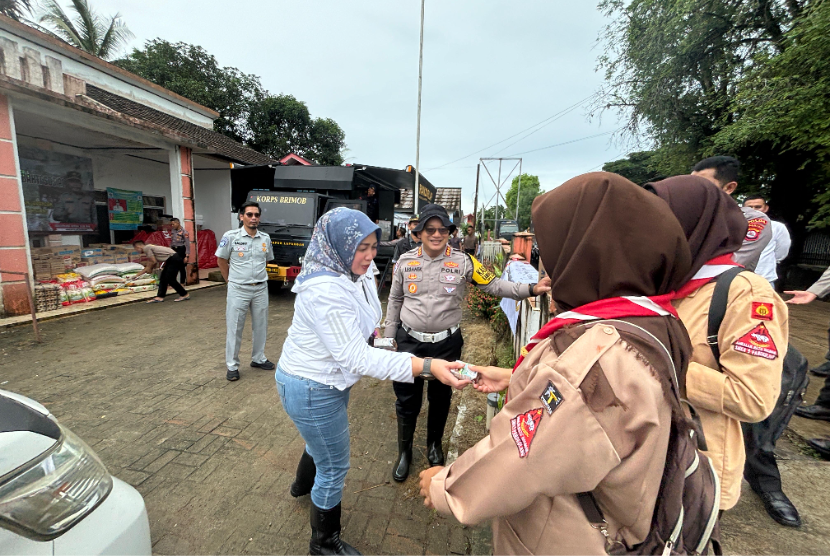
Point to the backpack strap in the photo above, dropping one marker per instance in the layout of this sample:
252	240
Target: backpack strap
586	500
717	308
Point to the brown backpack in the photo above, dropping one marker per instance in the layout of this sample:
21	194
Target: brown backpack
685	519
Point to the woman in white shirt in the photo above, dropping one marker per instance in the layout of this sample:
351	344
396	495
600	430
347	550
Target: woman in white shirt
326	352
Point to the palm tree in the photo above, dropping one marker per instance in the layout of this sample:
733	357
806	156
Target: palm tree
15	8
88	31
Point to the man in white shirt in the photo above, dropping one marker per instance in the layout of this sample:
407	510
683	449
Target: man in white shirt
777	249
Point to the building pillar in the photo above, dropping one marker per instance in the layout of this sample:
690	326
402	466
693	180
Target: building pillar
183	207
14	247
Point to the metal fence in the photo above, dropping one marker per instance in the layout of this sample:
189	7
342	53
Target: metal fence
533	314
816	250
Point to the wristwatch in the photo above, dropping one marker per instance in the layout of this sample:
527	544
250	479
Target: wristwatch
426	374
532	287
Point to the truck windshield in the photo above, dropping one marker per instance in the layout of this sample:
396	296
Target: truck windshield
285	209
509	228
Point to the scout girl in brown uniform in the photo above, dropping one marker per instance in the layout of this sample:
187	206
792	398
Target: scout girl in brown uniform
587	407
744	385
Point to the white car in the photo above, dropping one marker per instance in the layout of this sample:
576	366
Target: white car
56	497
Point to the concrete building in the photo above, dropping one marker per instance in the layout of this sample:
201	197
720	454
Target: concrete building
73	128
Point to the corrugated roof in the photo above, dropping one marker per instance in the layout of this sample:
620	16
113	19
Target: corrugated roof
201	136
447	197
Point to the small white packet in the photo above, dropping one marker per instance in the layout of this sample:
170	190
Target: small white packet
465	373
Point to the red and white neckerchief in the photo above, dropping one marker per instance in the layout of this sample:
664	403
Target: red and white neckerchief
706	274
611	308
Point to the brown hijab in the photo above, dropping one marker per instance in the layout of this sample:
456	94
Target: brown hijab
602	236
712	221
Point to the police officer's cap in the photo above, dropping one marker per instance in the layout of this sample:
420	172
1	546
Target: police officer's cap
434	211
414	218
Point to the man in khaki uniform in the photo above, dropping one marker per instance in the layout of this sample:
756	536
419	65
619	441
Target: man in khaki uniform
423	314
723	171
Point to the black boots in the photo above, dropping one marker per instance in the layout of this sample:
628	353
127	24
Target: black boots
435	454
325	533
406	431
306	471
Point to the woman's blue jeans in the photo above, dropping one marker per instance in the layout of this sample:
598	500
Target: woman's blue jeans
319	413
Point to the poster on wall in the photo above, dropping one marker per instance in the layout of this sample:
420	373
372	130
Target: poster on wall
125	208
58	192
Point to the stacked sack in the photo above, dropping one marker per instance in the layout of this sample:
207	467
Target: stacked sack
47	297
135	279
113	279
74	289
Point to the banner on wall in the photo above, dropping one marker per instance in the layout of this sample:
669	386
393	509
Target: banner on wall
58	192
126	209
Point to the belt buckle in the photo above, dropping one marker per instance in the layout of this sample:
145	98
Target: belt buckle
428	337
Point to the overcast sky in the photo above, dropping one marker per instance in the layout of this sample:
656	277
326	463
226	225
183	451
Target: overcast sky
491	70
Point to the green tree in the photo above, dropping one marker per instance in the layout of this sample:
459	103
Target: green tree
15	9
747	78
639	167
529	191
273	124
88	30
486	218
672	67
782	106
193	73
282	124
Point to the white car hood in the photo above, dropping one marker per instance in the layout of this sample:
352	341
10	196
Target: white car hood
18	445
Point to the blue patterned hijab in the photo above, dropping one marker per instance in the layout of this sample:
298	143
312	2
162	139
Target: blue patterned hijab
334	243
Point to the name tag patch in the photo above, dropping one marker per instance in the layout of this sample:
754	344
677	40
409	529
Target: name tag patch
523	429
551	398
757	342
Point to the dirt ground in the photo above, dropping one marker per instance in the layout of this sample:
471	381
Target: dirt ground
144	385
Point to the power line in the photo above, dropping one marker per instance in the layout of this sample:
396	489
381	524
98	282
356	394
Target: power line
560	116
573	106
567	142
616	157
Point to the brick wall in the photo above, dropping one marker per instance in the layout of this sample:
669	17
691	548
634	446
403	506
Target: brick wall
14	254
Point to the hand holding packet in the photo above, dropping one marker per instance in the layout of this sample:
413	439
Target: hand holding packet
386	343
464	373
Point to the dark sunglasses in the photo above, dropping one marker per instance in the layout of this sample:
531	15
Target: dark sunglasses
252	214
433	231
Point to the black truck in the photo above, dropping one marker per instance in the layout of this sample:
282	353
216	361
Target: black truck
292	198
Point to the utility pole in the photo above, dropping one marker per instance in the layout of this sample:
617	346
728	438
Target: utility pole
499	184
475	200
495	222
417	190
518	190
